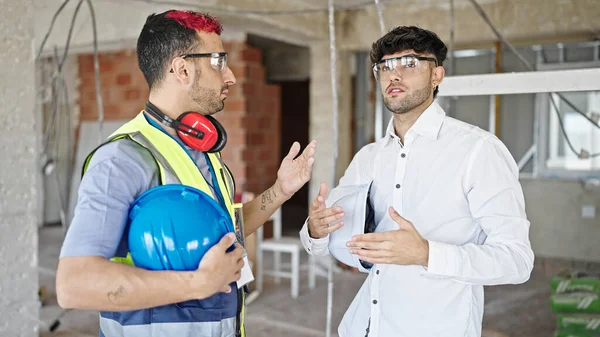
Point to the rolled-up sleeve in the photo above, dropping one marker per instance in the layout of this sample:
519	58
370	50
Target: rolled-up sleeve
497	205
116	175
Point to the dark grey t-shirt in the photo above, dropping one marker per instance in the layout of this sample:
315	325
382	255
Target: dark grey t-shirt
117	174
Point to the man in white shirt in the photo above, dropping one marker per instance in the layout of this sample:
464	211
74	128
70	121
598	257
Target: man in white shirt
452	192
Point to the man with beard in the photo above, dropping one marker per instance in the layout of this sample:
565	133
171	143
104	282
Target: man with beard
447	203
185	65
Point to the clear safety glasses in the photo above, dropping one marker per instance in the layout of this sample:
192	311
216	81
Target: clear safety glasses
217	60
406	66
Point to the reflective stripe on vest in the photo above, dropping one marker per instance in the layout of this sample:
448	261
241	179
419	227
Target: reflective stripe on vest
176	167
111	328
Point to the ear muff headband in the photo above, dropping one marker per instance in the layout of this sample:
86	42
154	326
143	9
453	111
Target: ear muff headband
200	132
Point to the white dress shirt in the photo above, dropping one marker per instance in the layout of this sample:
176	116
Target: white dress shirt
458	185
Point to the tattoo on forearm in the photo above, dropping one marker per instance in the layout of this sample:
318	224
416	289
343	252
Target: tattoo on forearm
267	198
114	296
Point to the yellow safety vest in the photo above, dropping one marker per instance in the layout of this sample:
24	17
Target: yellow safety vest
175	167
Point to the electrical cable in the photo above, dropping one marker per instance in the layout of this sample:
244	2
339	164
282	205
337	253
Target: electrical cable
69	36
562	128
451	102
59	92
380	17
452	64
60	8
69	142
60	121
334	99
560	122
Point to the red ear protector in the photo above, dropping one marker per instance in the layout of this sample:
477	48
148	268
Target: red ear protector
200	132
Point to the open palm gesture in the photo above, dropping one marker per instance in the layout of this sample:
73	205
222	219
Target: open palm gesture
294	171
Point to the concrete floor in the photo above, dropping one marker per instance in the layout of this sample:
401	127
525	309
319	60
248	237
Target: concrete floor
510	311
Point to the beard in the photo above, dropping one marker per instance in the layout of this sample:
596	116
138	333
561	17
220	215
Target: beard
207	100
411	101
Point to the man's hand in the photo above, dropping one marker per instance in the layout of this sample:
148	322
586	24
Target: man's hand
320	217
219	268
404	246
294	173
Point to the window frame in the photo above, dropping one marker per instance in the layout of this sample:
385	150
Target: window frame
542	125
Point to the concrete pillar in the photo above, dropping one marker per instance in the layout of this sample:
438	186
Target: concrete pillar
18	173
321	115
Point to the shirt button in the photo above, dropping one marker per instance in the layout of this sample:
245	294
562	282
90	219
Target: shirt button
377	272
403	155
374	301
397	185
308	249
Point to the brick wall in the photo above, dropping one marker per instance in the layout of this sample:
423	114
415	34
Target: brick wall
124	89
251	115
261	122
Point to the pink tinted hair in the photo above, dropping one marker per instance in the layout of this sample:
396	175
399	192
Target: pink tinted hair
196	21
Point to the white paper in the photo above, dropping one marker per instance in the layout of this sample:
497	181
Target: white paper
246	274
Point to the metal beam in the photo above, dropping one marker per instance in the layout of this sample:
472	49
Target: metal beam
522	83
527	157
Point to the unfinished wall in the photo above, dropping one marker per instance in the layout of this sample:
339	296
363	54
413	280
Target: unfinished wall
553	20
19	174
321	116
557	229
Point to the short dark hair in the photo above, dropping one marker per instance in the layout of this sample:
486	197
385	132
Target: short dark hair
167	35
410	37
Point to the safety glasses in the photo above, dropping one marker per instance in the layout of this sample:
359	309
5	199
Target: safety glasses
406	66
217	60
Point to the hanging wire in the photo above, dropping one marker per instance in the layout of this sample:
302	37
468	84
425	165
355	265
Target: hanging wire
60	121
58	117
60	8
380	17
57	79
69	36
60	96
560	122
452	65
378	97
69	146
583	154
52	161
334	98
451	101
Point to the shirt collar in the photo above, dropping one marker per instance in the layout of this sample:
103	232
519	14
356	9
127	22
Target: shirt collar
427	125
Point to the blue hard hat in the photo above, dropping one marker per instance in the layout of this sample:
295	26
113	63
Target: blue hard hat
172	226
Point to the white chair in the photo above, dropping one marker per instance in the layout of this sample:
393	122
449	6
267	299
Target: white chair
281	244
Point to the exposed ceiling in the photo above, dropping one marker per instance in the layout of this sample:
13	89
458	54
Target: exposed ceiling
384	3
